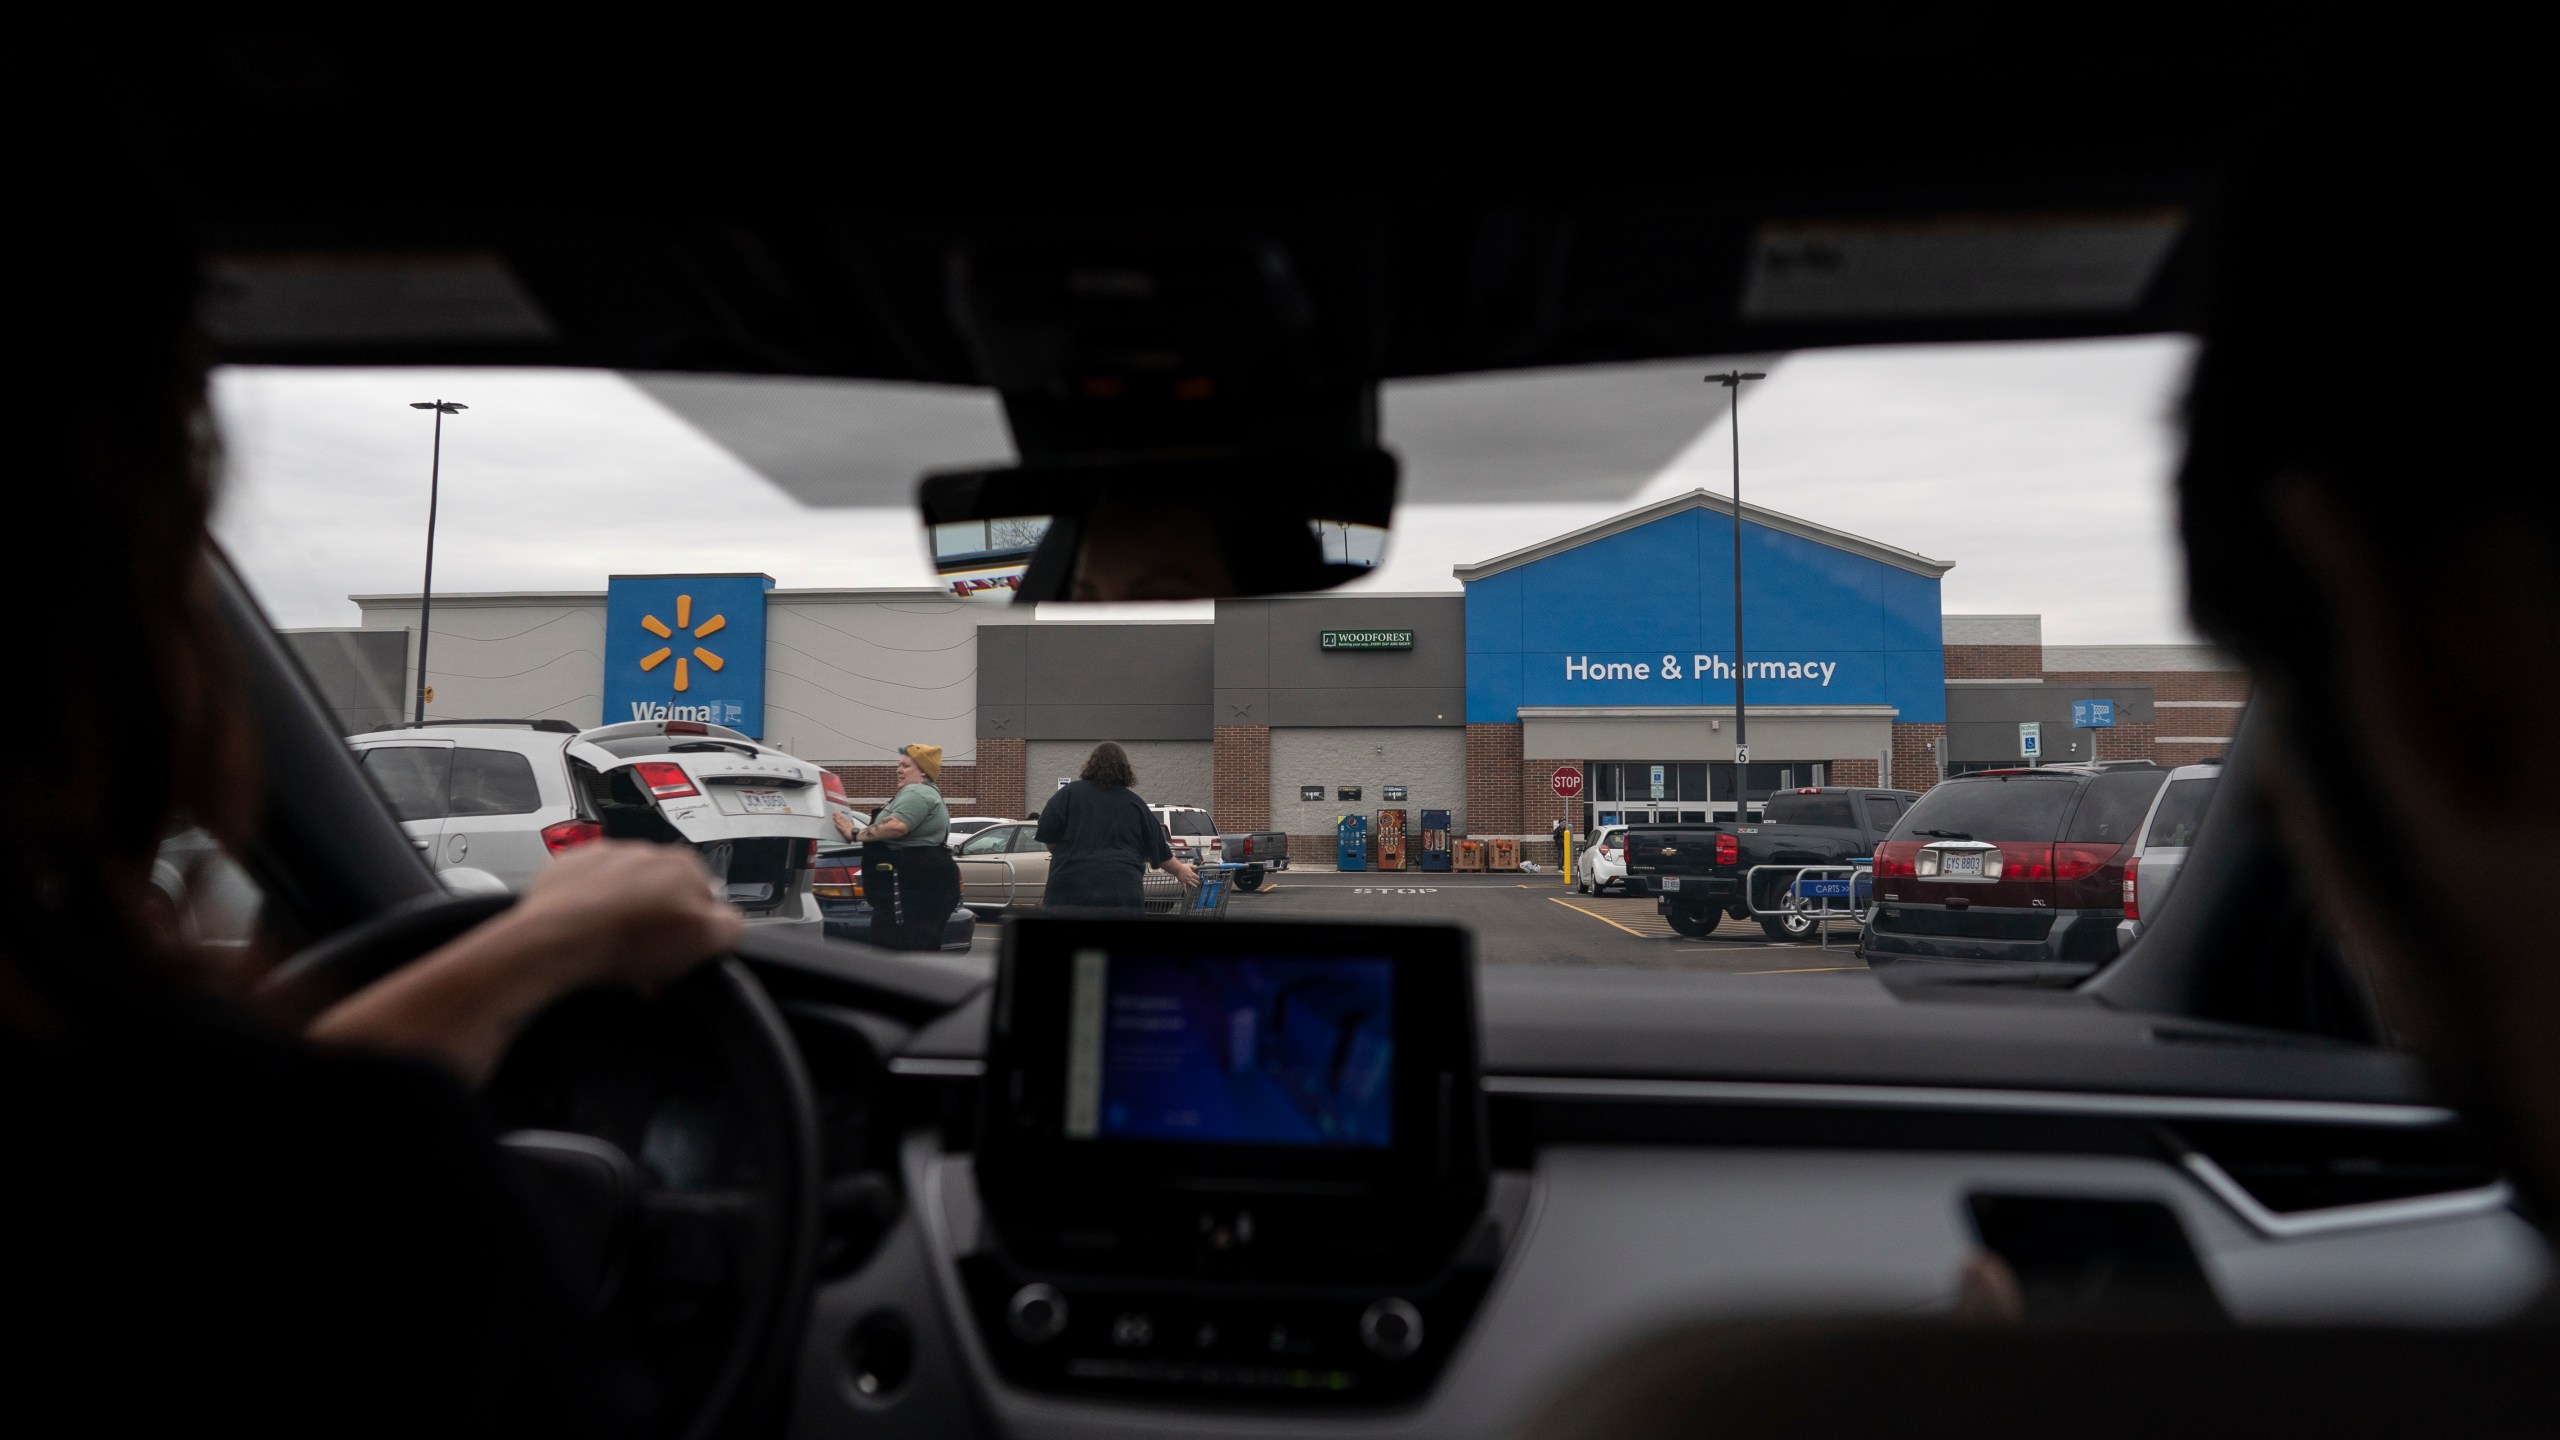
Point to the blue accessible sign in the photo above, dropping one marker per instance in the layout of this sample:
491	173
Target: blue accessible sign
2093	714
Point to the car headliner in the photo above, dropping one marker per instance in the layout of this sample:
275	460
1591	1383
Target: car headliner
713	206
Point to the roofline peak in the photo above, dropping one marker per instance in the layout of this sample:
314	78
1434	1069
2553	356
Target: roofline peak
1704	499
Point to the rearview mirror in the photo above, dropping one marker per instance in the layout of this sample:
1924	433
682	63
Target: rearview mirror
1190	527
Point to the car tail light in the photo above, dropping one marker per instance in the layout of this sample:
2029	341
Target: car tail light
837	882
664	780
1248	847
568	835
1728	850
1897	860
687	727
2026	862
833	782
2132	906
2080	859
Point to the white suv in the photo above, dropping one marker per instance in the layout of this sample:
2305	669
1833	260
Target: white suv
489	802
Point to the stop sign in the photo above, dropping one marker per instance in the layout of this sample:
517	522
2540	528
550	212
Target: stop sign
1567	780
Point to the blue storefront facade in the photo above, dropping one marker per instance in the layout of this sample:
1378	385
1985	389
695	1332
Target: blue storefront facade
1610	652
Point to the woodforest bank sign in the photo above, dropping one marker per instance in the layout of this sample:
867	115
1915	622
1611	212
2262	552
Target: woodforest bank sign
1367	639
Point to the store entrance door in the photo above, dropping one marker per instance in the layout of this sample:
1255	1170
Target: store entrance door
1651	815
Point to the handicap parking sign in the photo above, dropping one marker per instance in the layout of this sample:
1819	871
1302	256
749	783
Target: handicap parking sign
2030	740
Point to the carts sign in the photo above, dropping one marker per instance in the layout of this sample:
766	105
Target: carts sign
1567	781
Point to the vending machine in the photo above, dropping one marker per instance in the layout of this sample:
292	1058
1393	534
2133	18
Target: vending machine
1435	854
1391	839
1351	843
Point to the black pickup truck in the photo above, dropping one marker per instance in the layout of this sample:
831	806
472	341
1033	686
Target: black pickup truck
1695	872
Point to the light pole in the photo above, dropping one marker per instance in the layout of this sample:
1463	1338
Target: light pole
1732	380
427	588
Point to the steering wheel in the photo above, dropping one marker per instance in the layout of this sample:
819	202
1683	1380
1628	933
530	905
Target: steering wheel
673	1143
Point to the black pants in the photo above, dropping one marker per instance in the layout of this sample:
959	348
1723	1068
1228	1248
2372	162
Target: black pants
912	889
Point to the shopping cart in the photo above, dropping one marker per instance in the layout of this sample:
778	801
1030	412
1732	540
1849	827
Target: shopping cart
1209	902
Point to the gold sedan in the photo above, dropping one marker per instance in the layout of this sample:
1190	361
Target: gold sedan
1004	869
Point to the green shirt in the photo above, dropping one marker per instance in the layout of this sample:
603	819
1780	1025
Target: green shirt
920	805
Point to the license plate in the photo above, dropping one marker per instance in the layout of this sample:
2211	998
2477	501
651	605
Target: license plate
1960	865
1670	884
764	802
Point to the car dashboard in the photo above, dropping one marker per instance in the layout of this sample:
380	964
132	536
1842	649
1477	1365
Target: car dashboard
1654	1156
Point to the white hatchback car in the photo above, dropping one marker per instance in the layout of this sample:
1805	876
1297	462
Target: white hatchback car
490	802
1603	862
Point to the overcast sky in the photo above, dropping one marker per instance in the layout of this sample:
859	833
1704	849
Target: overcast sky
2041	470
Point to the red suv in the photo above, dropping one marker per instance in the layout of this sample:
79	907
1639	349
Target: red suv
2010	875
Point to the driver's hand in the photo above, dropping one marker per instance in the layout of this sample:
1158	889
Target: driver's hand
609	912
637	914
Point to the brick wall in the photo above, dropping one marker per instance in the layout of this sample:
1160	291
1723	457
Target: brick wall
1493	779
2197	731
959	783
1855	773
1240	778
1994	662
999	777
2165	684
2190	752
1540	808
2126	742
1915	765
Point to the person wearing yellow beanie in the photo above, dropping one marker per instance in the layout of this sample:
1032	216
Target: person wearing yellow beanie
908	874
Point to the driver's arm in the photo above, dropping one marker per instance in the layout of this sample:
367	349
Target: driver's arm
609	912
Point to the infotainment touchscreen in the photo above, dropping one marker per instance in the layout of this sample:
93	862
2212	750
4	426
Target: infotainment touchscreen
1225	1049
1133	1060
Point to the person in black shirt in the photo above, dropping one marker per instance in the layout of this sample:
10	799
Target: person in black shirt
214	1216
1101	838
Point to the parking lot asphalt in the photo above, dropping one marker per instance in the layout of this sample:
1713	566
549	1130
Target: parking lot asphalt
1533	918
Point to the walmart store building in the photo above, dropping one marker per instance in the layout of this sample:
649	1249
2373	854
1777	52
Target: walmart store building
1586	679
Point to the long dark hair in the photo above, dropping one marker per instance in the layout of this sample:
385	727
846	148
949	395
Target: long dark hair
144	723
1109	765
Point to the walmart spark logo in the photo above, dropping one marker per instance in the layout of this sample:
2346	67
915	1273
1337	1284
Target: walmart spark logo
684	620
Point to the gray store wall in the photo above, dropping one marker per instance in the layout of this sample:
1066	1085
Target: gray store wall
510	656
1430	762
1272	669
852	675
1982	720
1119	682
1170	772
362	675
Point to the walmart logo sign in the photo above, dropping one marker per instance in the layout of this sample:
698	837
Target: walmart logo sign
686	647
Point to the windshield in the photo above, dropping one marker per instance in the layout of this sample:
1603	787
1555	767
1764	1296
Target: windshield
1953	559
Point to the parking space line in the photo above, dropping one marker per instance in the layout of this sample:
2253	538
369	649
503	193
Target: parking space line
1603	919
1807	970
